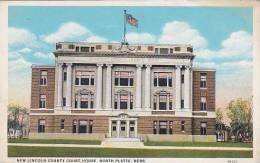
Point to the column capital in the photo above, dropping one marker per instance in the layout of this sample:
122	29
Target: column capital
148	65
109	65
187	67
60	64
139	65
68	64
99	64
178	66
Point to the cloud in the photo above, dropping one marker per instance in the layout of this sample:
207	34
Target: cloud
25	50
43	55
238	44
20	37
18	65
178	32
66	32
142	38
96	39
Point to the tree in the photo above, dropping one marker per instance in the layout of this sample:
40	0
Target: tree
219	116
240	114
17	117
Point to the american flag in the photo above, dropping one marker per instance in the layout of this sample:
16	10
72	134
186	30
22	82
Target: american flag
131	20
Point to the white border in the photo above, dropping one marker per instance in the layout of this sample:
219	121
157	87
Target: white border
212	3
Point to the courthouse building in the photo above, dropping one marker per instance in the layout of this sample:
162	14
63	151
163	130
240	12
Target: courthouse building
106	90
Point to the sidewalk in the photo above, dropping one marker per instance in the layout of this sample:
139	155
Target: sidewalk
144	147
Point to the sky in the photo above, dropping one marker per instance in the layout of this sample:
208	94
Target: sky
221	37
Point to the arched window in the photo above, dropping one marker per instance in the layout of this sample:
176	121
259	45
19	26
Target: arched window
162	100
123	100
84	99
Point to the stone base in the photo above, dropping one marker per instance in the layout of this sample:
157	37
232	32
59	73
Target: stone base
178	138
68	136
122	142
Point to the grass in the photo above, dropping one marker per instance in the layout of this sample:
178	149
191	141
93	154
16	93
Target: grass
54	141
199	144
20	151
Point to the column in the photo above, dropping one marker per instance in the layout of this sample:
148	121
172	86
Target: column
187	87
59	85
99	87
138	87
178	87
148	87
117	128
68	87
108	87
127	128
78	100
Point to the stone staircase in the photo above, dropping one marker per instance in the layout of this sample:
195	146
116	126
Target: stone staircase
122	143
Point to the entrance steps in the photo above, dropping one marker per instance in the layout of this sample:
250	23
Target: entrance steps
122	142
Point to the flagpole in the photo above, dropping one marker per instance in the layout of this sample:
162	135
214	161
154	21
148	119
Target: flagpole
124	26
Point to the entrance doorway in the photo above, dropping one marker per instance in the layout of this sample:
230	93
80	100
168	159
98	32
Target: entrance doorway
123	129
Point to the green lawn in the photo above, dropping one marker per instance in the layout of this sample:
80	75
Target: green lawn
199	144
20	151
54	141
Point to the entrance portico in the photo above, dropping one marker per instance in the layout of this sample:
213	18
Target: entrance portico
123	126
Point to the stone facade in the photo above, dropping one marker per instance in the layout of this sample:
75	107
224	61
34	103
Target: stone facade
150	92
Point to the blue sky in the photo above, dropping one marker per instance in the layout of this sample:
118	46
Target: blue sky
221	38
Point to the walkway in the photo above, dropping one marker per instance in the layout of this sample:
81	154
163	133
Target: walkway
143	147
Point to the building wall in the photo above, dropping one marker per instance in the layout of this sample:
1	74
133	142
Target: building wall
209	92
52	123
37	90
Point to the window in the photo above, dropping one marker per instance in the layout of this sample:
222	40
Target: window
138	47
41	125
64	76
92	49
43	80
76	101
163	79
84	49
171	50
62	124
87	100
182	103
203	80
98	47
90	126
164	100
171	127
164	50
82	126
109	47
203	103
182	126
162	127
150	48
58	46
182	78
85	78
71	46
124	78
74	128
42	101
77	49
154	127
156	50
123	100
177	49
189	49
64	101
203	128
